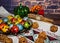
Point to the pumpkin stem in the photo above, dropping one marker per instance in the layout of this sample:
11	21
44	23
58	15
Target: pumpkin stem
20	5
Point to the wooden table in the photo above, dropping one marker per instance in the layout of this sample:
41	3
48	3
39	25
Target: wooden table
55	17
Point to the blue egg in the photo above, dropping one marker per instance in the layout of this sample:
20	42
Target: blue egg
5	19
11	25
20	26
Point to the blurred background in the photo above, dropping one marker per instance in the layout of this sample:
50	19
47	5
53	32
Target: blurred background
51	7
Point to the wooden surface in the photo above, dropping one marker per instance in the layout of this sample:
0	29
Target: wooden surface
57	22
55	17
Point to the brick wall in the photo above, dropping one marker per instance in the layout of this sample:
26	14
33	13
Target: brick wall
50	6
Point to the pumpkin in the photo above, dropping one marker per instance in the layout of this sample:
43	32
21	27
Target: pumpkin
41	12
21	10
